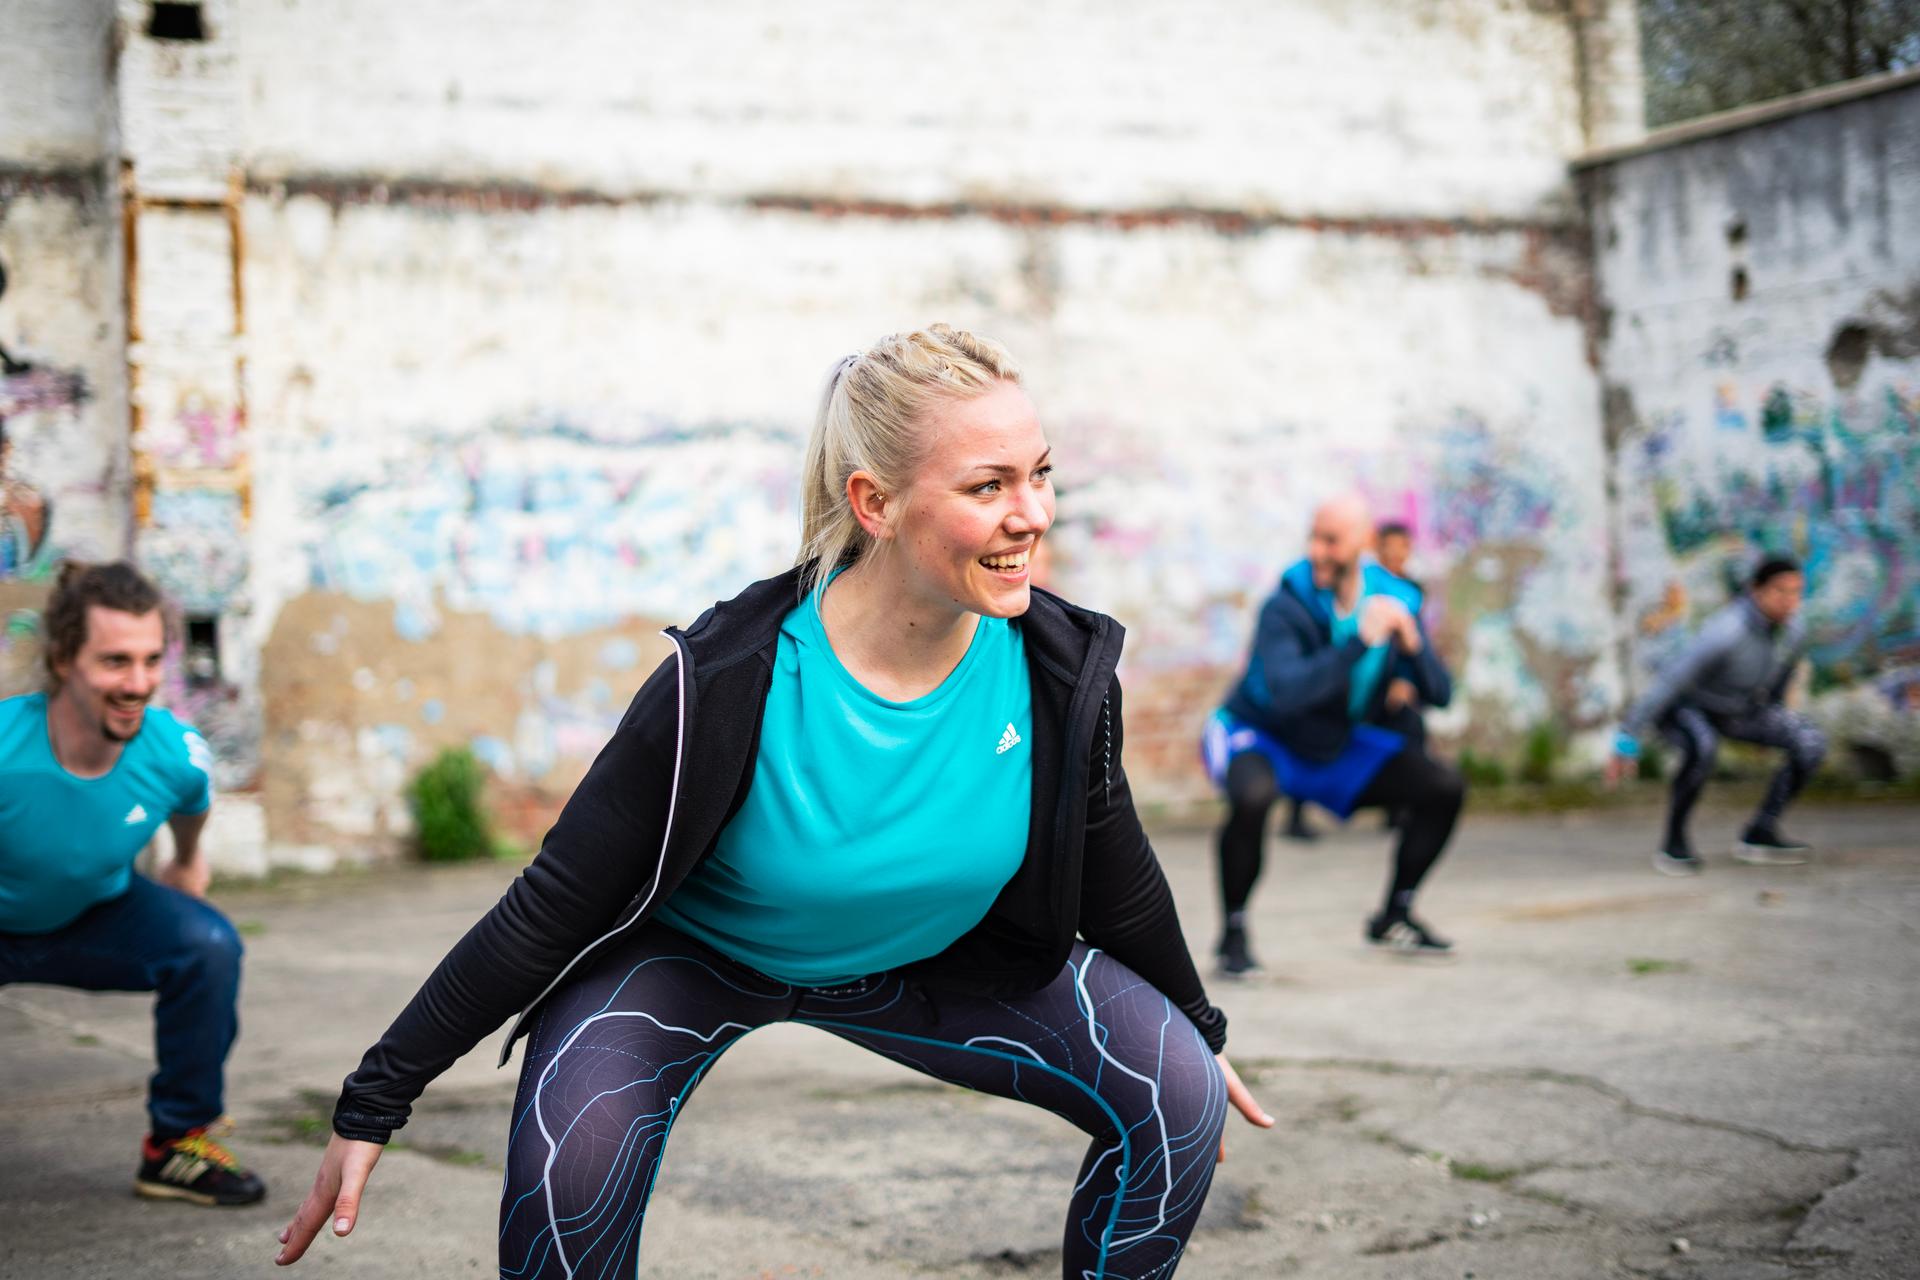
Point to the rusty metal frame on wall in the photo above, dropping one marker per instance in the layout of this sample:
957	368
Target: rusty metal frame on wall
148	476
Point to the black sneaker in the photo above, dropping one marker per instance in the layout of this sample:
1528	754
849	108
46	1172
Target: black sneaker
1298	828
1405	935
195	1168
1766	847
1677	858
1236	960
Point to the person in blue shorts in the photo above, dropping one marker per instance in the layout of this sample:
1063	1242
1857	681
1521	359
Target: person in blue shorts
881	795
88	772
1303	721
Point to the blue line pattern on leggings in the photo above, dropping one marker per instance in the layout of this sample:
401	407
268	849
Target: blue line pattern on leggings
580	1173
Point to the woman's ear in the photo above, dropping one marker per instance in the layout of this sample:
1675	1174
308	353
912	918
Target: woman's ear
871	507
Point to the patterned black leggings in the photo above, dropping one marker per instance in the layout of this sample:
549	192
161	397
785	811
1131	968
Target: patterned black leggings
1698	736
615	1054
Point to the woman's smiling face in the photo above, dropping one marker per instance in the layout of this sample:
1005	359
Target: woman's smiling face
978	504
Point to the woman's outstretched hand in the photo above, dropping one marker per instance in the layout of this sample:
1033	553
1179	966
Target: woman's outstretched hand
336	1194
1242	1101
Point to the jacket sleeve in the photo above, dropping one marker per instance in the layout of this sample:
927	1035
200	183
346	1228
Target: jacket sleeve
1126	908
1706	651
1427	673
603	852
1291	678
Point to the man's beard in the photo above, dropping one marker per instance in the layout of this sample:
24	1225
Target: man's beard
106	727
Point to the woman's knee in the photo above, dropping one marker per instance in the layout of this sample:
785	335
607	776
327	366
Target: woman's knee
1192	1096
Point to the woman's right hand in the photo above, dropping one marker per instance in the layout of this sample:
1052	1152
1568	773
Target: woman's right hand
336	1194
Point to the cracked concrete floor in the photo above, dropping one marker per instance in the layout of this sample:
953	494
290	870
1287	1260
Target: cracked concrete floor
1616	1063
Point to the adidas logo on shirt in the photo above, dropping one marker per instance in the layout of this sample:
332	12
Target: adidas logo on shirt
1008	740
135	814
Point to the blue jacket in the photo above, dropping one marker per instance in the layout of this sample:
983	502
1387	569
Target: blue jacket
1296	684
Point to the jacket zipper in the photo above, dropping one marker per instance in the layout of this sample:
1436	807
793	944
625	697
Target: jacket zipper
660	868
1106	764
1096	657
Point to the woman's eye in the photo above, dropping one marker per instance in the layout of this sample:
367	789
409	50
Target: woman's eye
1044	473
991	486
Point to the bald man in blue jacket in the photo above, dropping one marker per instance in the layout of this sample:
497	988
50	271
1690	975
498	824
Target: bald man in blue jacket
1303	720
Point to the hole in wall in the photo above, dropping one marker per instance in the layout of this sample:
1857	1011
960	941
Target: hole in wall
1740	286
1872	763
175	20
203	650
1847	354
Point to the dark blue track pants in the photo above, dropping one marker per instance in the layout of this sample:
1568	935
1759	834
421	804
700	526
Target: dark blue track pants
152	938
615	1054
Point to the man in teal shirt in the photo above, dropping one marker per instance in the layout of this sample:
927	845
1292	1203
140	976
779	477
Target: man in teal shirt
88	772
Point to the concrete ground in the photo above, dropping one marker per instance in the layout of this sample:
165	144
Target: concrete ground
1622	1074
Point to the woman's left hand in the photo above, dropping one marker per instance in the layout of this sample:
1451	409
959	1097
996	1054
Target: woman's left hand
1242	1101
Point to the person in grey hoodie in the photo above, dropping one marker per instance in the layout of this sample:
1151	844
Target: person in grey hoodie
1728	683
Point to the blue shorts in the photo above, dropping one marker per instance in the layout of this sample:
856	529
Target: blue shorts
1334	785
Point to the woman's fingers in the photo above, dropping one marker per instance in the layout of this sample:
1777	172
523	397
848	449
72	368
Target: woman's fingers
358	1162
1242	1100
1241	1097
298	1234
336	1193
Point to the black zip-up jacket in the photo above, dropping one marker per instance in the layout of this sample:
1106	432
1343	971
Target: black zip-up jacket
676	771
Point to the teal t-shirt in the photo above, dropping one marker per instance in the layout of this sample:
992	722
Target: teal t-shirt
67	843
1366	673
875	833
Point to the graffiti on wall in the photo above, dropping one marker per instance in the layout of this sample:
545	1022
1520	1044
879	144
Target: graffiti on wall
1834	482
549	530
1511	548
36	402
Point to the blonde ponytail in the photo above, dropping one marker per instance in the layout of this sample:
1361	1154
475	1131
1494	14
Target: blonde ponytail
872	418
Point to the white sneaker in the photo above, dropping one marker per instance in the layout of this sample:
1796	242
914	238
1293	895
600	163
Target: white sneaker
1770	849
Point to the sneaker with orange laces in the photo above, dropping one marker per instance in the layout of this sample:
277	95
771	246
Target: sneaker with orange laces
195	1168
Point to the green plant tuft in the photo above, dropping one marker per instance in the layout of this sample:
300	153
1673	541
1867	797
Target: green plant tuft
1651	766
1482	771
451	824
1540	755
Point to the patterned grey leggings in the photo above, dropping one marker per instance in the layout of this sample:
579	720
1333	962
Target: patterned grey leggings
615	1055
1698	735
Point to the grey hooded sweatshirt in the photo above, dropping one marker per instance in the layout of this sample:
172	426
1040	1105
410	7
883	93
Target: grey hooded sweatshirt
1739	662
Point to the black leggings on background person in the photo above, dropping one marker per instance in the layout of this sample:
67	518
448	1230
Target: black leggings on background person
615	1056
1697	735
1426	791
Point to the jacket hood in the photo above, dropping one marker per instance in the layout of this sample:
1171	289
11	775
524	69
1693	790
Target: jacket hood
1297	582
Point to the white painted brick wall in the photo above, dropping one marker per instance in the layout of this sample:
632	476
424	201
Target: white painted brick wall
1328	107
56	89
180	104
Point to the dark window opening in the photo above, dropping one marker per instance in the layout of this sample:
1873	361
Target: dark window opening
203	651
175	20
1739	284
